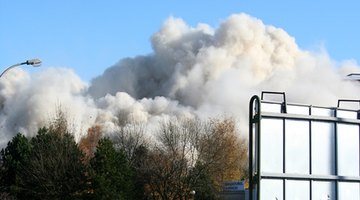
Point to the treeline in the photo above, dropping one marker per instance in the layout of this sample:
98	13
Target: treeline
182	157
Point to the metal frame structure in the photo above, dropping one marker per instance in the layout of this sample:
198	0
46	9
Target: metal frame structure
256	172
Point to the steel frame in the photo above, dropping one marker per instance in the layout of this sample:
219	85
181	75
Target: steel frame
255	118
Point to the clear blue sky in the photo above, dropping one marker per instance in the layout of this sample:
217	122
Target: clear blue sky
89	36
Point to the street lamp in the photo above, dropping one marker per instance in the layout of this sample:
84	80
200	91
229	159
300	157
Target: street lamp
33	62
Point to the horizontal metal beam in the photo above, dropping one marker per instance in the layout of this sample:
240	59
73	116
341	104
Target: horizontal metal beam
309	118
310	177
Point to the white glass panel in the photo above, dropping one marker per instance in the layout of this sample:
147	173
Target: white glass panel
322	112
350	105
297	190
272	145
323	148
297	147
348	150
271	107
255	156
346	114
323	190
271	189
300	110
349	191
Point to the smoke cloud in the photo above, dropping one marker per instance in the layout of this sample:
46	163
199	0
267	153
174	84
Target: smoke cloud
192	72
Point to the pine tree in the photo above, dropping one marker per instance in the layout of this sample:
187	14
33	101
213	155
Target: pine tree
112	177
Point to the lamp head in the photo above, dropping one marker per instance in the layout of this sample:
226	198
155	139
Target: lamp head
34	62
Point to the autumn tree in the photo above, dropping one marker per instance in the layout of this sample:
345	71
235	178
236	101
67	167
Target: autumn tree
89	142
222	151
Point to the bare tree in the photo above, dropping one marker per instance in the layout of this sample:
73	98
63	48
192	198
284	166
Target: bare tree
192	154
177	153
129	138
61	122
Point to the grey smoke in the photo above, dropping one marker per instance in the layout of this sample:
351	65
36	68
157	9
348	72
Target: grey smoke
193	71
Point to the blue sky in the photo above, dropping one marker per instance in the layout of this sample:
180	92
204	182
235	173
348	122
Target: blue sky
90	36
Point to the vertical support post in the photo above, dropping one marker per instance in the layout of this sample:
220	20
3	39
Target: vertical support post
283	104
336	154
310	154
254	119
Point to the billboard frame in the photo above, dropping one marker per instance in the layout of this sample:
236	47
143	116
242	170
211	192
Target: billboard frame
255	166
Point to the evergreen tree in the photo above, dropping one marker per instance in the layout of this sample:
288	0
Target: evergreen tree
55	170
16	153
112	177
202	183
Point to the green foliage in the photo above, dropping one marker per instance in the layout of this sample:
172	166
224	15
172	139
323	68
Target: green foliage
49	166
55	170
14	156
202	183
112	177
141	176
189	156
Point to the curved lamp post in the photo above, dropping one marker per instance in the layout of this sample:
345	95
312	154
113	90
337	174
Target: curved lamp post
33	62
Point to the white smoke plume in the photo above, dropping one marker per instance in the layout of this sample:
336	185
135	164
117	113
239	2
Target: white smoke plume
192	72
